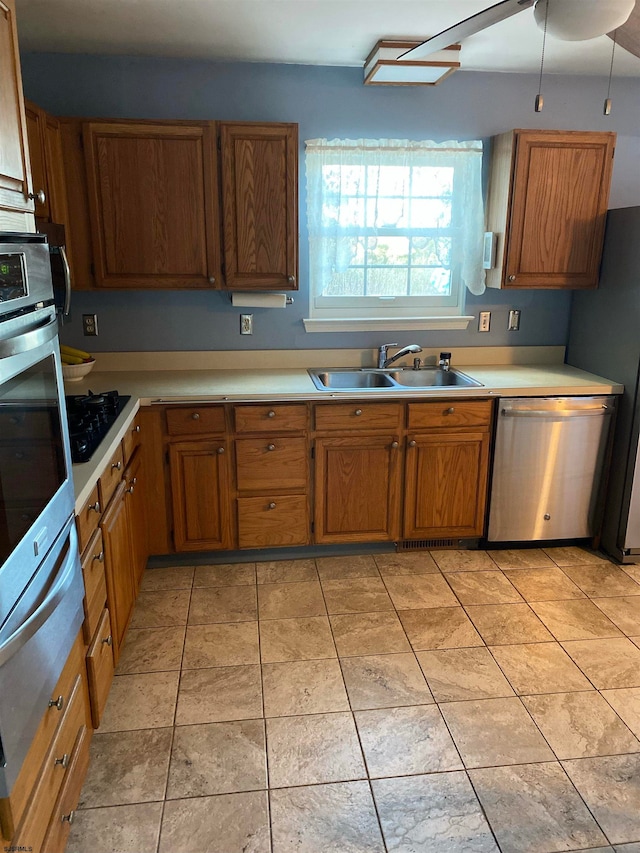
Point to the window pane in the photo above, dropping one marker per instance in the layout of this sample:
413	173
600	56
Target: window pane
432	181
345	180
351	212
430	251
430	213
391	251
349	283
430	282
387	282
388	180
387	213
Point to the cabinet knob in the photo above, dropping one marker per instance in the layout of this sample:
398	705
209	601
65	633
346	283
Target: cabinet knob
40	196
271	447
94	507
131	488
195	416
68	818
136	428
395	445
57	703
108	641
221	450
99	557
271	414
511	278
134	480
116	465
412	443
291	279
358	412
63	762
272	505
212	279
449	411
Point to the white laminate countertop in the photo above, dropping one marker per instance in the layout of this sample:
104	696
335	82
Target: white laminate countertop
148	387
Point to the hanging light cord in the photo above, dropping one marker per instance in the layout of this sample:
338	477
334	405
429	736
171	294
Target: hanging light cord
607	103
539	98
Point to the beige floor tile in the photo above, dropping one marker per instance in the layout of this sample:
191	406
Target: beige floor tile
338	818
385	681
218	694
405	741
521	558
144	701
225	574
303	687
626	703
286	571
223	604
217	758
127	767
223	644
482	588
368	634
438	813
463	561
439	628
358	595
343	568
624	612
492	732
288	600
456	674
575	619
151	650
544	584
161	609
117	829
611	789
313	749
502	624
305	638
573	556
607	663
175	577
227	823
535	808
625	848
633	570
602	580
415	592
539	668
411	563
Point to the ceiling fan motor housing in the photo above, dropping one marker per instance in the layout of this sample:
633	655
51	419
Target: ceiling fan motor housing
580	20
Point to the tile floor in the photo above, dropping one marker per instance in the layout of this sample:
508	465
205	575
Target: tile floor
416	703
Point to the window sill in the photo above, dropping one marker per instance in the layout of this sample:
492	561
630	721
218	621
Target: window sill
387	324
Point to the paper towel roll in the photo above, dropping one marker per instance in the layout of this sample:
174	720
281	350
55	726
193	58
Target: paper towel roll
259	300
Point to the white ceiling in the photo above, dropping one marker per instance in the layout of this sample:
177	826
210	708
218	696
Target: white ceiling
309	32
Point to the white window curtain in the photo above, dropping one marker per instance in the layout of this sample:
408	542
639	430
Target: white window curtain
330	217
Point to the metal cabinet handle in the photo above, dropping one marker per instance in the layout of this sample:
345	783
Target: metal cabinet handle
358	412
412	443
99	557
291	279
40	196
116	465
449	411
95	507
511	278
134	480
271	447
63	762
212	279
221	450
272	505
195	416
108	641
136	428
57	703
271	414
131	489
395	445
68	818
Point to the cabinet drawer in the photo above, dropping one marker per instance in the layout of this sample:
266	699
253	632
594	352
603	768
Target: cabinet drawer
100	667
350	416
193	420
273	520
95	585
110	477
271	463
276	418
63	812
450	413
88	519
130	440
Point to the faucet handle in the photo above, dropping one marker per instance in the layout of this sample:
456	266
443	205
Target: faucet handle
382	353
386	346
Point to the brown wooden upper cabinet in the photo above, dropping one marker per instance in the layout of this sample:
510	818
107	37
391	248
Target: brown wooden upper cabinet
47	168
548	195
260	205
153	203
15	175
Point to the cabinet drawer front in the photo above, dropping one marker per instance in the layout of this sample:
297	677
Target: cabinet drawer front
110	477
273	520
131	440
350	416
95	585
100	668
195	419
277	418
58	830
450	413
88	519
271	463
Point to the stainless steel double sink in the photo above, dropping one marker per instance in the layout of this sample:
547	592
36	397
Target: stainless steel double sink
374	379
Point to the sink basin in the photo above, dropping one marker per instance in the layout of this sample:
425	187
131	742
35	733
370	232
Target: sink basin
433	377
342	380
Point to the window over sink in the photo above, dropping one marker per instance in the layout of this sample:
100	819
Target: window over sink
395	233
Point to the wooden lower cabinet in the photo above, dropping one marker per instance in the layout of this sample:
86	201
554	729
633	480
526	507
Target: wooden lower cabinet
135	482
357	488
116	535
273	520
55	840
100	667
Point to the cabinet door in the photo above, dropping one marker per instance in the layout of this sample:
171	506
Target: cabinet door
118	565
56	183
200	495
445	485
153	204
260	205
559	204
14	162
35	119
134	478
357	497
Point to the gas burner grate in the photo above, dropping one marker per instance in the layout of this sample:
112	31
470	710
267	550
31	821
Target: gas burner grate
90	417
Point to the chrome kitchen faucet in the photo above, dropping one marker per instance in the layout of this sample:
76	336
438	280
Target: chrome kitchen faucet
383	361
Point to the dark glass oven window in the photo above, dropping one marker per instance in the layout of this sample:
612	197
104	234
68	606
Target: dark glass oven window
32	463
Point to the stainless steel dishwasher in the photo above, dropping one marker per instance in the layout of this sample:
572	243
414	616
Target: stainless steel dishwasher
547	470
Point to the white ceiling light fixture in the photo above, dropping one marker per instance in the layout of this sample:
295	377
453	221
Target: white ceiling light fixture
581	20
385	67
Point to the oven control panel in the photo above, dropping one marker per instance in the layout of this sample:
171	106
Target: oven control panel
13	276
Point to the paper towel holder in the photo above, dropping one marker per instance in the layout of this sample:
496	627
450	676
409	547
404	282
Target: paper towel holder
247	297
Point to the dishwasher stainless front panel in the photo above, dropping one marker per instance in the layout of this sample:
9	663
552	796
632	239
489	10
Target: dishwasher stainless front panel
548	464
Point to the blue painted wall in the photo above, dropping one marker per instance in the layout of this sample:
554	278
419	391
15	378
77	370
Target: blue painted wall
324	102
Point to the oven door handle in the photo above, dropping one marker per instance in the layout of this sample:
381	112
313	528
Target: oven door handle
26	341
66	308
61	583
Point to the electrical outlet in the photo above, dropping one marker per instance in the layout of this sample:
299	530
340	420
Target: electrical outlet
90	325
514	320
484	321
246	324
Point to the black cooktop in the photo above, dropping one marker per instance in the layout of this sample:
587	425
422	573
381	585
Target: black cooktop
90	418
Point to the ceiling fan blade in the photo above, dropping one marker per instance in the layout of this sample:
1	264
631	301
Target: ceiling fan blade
628	35
469	27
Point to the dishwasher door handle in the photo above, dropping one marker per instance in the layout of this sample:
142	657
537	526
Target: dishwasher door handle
601	411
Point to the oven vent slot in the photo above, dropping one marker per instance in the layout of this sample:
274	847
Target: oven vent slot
422	544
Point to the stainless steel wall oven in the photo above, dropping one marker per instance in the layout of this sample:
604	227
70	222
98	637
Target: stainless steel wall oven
41	586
